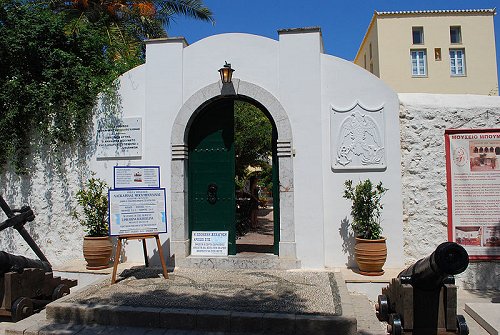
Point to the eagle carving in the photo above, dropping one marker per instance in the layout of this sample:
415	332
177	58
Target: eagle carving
359	136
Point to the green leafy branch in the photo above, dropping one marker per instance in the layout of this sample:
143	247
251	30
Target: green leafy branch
366	207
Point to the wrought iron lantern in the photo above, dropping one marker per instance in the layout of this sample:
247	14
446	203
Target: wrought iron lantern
226	73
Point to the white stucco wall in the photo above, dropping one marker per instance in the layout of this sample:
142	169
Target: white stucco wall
359	86
424	118
132	93
300	89
52	181
254	58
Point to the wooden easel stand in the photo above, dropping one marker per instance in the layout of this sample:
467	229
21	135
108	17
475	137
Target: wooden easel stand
142	237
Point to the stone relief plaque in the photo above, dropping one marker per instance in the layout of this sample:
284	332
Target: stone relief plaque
357	137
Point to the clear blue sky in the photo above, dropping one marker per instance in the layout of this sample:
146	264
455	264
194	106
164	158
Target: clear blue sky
343	22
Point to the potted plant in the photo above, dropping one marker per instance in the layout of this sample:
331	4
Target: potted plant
97	246
370	251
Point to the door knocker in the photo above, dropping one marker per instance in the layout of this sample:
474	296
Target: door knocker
212	193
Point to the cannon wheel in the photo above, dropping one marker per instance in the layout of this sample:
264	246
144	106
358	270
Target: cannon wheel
383	307
462	328
60	291
395	326
21	309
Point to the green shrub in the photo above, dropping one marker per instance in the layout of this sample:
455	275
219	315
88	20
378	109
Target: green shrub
365	209
94	200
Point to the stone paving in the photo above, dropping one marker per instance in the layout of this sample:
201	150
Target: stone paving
263	232
364	311
267	291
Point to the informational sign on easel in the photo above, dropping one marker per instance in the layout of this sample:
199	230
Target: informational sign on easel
137	211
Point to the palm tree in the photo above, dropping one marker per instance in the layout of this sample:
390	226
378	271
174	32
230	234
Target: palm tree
127	23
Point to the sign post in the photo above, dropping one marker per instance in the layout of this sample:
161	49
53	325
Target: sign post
142	237
119	141
137	210
126	177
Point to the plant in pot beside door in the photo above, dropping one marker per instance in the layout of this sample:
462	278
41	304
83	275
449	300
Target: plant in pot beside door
97	246
370	251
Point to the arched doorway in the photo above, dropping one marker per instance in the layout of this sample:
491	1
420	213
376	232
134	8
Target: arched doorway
211	175
180	234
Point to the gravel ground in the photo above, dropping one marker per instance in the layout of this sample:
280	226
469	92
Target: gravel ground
267	291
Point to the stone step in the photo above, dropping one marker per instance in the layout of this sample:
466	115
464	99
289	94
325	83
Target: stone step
240	261
199	320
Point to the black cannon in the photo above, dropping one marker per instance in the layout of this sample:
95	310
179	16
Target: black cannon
26	285
13	263
423	298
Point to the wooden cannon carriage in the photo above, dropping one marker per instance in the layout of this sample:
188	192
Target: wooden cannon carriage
26	285
422	300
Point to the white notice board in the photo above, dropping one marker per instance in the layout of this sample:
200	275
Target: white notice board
209	243
123	140
126	177
137	211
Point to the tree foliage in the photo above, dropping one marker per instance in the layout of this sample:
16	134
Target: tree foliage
252	138
128	23
56	56
49	81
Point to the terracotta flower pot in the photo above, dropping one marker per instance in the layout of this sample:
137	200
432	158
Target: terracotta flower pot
370	256
97	252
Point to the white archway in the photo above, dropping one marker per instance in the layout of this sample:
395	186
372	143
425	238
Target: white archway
179	188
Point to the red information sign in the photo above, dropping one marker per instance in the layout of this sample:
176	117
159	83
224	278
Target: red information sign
473	190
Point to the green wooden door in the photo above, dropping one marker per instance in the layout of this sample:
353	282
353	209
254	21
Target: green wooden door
212	205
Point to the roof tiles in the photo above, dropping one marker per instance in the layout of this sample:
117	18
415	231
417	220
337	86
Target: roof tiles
443	11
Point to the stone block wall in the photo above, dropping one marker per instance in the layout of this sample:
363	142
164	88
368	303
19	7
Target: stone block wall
423	121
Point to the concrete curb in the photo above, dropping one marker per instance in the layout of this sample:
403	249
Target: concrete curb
345	296
486	315
200	320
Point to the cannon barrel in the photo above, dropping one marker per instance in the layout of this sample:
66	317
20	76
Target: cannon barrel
428	273
13	263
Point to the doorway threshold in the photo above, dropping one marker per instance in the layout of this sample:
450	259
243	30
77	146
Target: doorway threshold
251	249
245	260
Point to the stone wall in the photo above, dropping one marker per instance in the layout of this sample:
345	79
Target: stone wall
423	120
